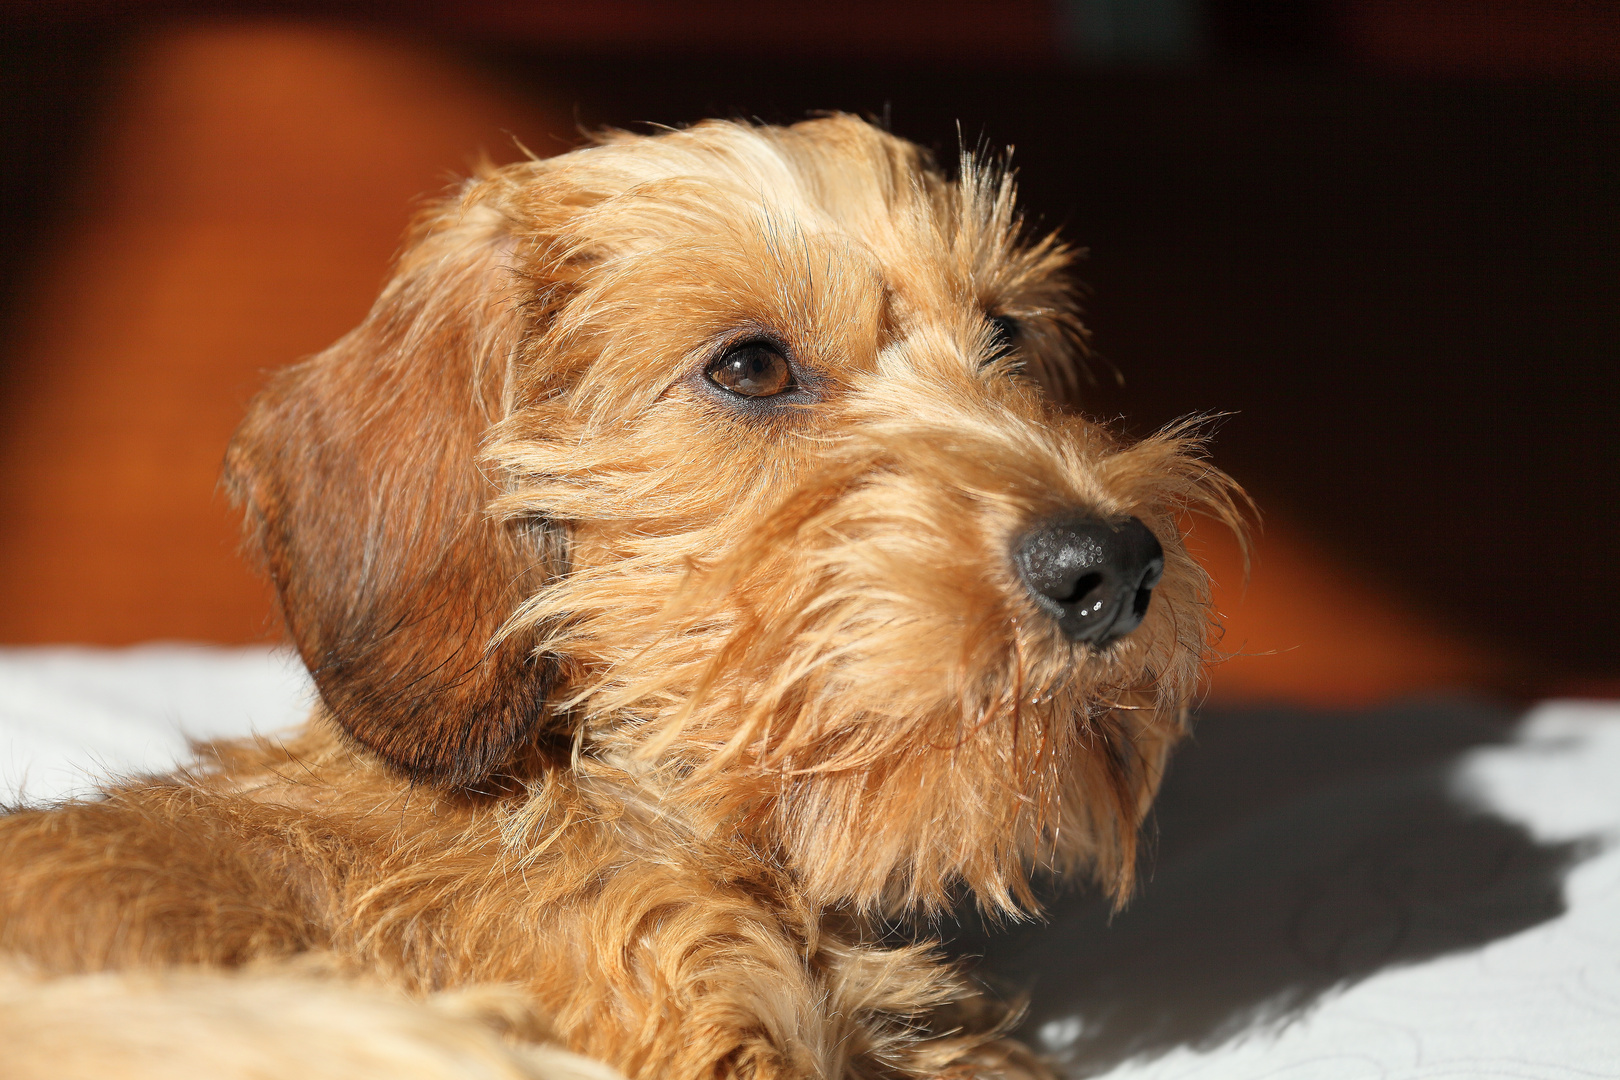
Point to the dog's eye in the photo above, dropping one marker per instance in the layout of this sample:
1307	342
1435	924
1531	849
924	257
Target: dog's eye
752	369
1003	336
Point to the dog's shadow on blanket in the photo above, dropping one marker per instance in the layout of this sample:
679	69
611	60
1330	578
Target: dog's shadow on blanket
1296	852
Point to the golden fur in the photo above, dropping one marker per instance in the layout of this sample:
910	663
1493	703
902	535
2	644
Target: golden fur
650	706
255	1025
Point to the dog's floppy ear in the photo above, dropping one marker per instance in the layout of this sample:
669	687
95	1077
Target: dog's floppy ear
360	474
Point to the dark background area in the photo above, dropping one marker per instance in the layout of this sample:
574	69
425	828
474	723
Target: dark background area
1385	238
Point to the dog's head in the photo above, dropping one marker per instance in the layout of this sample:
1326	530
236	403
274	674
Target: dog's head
740	456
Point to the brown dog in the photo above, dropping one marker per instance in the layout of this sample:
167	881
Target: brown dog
698	565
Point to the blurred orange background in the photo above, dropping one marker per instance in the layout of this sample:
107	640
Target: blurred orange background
232	191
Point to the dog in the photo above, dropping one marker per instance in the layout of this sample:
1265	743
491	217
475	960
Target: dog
704	569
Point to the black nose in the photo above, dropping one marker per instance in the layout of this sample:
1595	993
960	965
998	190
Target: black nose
1094	577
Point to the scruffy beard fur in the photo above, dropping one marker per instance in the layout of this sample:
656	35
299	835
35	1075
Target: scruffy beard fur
646	701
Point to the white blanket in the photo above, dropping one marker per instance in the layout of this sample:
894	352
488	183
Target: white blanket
1425	892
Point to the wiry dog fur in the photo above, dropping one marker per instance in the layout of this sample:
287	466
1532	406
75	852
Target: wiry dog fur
650	701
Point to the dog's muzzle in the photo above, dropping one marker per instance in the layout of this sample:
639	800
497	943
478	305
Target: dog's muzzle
1095	577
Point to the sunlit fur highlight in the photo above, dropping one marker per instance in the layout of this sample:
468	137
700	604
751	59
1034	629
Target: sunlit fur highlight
654	707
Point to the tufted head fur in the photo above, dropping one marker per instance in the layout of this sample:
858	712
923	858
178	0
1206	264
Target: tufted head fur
515	509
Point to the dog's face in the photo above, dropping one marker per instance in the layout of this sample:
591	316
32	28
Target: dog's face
739	456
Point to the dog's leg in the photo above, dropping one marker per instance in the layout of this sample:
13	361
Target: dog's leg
905	1013
155	873
645	961
654	969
